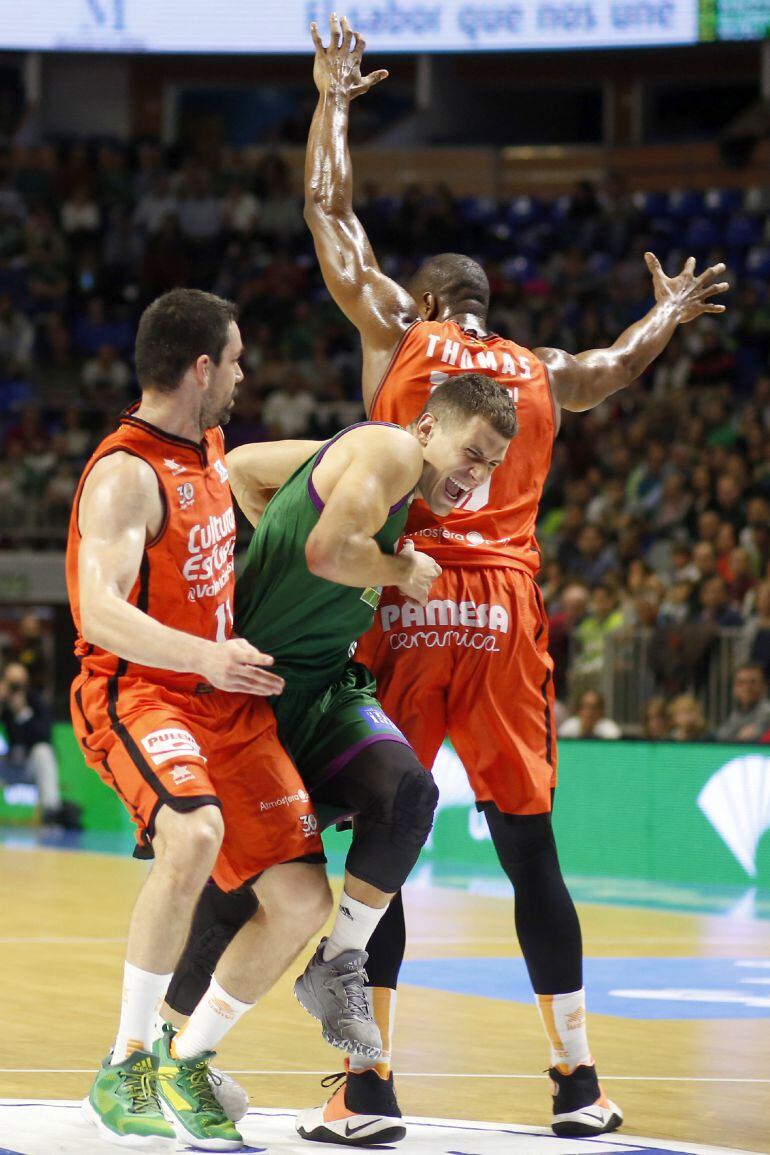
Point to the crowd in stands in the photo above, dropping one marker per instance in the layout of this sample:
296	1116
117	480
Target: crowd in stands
656	515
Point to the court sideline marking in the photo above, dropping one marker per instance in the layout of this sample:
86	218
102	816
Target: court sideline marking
409	1075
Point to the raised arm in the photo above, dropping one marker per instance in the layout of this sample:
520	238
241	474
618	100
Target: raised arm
359	481
584	380
379	308
257	470
120	512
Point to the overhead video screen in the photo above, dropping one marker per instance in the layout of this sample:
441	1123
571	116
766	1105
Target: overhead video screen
276	26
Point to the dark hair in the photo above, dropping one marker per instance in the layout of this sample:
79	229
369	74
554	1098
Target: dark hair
177	329
475	395
751	666
455	281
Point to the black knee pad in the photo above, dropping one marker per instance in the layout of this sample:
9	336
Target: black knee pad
394	799
218	917
413	808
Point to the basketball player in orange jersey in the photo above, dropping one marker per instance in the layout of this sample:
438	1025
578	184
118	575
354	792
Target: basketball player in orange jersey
474	662
169	711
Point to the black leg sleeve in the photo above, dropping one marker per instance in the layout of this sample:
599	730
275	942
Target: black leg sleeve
387	945
546	920
218	918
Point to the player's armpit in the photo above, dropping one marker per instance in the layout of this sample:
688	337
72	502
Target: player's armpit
258	470
582	381
358	491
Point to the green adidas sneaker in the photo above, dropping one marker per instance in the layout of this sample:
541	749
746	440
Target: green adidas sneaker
123	1104
188	1100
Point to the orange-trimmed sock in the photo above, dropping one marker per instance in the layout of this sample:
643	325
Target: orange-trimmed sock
564	1019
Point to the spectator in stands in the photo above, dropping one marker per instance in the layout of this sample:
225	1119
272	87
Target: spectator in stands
715	604
675	503
96	327
106	378
572	609
656	720
17	334
240	211
676	605
588	721
687	721
156	205
750	716
605	617
594	558
682	566
755	535
758	631
28	649
739	575
729	501
708	525
704	559
80	216
287	410
28	726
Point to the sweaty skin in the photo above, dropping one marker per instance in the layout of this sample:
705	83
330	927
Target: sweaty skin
382	310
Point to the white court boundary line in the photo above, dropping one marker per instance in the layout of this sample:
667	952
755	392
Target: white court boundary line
415	940
409	1075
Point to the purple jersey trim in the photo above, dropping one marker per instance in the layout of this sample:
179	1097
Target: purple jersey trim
313	492
341	761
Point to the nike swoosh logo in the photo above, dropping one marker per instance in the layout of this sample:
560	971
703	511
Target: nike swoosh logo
594	1115
354	1130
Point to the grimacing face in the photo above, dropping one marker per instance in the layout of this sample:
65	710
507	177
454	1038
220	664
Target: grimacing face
219	398
459	455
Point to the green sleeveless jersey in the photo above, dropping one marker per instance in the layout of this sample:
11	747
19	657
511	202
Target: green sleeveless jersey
308	624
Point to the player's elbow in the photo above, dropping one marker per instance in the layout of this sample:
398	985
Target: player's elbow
322	554
91	623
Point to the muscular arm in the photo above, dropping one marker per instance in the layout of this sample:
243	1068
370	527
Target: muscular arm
379	308
584	380
258	470
371	474
120	511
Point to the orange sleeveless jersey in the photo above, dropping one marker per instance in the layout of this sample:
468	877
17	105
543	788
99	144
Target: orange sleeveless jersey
494	525
187	576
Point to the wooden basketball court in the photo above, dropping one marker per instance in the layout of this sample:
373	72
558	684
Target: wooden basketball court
462	1050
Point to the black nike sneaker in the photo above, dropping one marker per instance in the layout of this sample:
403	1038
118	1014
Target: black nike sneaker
361	1112
580	1107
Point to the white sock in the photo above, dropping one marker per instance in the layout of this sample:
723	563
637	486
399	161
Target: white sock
143	992
213	1017
564	1019
382	1004
354	926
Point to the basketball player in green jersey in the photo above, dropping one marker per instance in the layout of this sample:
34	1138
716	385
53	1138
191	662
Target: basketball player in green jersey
327	520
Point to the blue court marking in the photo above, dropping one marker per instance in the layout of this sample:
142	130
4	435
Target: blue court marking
631	988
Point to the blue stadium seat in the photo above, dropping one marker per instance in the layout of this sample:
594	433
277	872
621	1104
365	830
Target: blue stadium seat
477	210
742	231
519	269
523	211
600	264
651	204
684	203
758	262
701	234
721	202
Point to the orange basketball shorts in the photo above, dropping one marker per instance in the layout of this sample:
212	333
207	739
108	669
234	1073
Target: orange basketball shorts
160	747
473	664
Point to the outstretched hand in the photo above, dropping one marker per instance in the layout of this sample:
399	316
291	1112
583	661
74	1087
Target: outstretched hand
337	69
690	294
